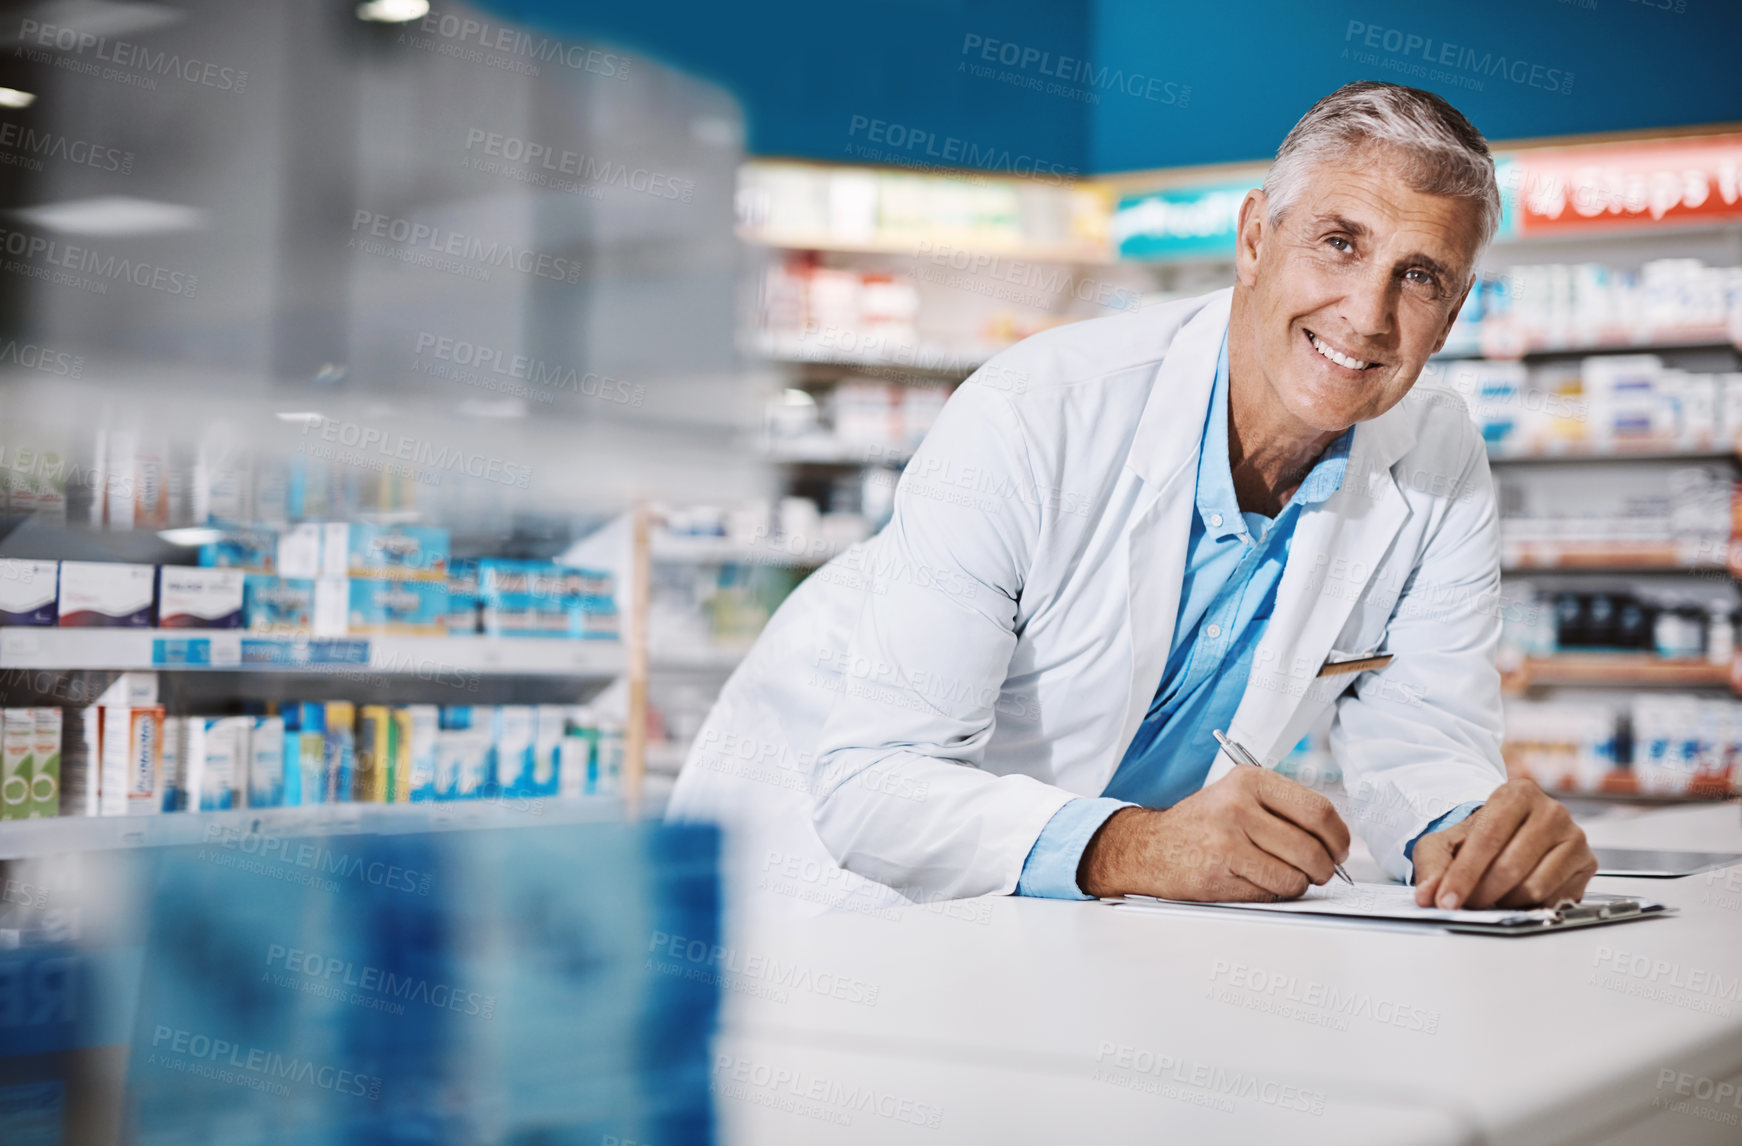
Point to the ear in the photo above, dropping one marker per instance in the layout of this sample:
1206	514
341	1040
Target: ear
1452	315
1249	240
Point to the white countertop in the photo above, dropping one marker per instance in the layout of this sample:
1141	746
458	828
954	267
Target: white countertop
1018	1020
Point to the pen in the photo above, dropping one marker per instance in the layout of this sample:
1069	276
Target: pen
1239	755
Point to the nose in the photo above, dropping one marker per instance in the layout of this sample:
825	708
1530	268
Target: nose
1369	306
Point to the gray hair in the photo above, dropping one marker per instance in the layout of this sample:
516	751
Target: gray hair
1441	153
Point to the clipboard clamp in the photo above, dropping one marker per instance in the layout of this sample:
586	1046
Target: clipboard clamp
1567	911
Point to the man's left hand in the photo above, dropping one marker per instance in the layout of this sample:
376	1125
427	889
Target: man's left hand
1520	849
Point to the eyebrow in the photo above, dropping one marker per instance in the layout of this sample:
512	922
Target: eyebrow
1362	231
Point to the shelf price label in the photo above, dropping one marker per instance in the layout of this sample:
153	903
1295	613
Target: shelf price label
170	651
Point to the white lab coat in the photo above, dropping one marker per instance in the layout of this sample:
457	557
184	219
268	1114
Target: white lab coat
919	708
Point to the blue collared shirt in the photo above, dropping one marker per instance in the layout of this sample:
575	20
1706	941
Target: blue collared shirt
1234	561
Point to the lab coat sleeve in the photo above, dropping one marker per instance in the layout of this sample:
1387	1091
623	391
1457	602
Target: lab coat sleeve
898	793
1421	736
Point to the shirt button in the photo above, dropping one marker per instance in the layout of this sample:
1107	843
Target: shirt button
1215	521
1212	631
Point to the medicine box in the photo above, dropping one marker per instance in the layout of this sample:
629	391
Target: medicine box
45	764
251	550
417	607
29	592
278	604
399	552
540	599
106	594
194	598
17	746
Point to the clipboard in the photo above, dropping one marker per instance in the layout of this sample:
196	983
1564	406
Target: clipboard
1391	906
1339	663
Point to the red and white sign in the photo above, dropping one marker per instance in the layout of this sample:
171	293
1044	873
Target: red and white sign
1612	186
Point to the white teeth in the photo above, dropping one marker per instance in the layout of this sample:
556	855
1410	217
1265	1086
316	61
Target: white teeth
1342	360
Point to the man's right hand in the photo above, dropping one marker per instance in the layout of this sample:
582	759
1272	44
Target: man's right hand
1252	835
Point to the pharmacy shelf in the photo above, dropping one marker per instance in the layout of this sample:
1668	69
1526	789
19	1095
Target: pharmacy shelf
174	650
868	352
21	839
707	661
1698	338
796	552
1618	670
1606	557
1643	450
924	246
831	452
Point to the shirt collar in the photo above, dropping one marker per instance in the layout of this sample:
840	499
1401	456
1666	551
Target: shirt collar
1218	507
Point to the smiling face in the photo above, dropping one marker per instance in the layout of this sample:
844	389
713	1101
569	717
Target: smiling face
1339	303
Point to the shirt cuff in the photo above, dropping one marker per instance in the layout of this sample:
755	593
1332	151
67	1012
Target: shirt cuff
1456	816
1050	871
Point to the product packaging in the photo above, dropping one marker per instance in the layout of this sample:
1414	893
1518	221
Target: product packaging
305	753
17	747
266	743
250	550
175	766
45	765
341	752
106	594
551	721
132	761
408	607
278	604
539	599
29	592
395	552
419	725
374	780
189	597
463	597
514	742
578	754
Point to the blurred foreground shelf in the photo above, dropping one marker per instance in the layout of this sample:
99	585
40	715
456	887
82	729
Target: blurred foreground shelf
229	829
1617	556
797	552
235	650
1639	449
1620	670
918	245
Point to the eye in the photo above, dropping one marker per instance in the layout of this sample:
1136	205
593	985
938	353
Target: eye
1339	243
1420	277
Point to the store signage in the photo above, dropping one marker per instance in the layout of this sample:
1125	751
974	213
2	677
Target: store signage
1607	187
1180	222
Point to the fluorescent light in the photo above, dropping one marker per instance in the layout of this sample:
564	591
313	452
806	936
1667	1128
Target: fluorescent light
301	417
12	97
393	11
100	18
192	535
493	408
112	216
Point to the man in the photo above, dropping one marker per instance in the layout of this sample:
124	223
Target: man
1126	533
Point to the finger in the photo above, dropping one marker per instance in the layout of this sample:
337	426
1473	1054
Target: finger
1291	844
1432	855
1544	829
1496	821
1281	880
1574	888
1307	809
1232	888
1567	862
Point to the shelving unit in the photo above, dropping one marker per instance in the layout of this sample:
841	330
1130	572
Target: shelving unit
26	838
1619	670
190	650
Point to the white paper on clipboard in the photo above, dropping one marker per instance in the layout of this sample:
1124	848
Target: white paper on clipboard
1385	903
